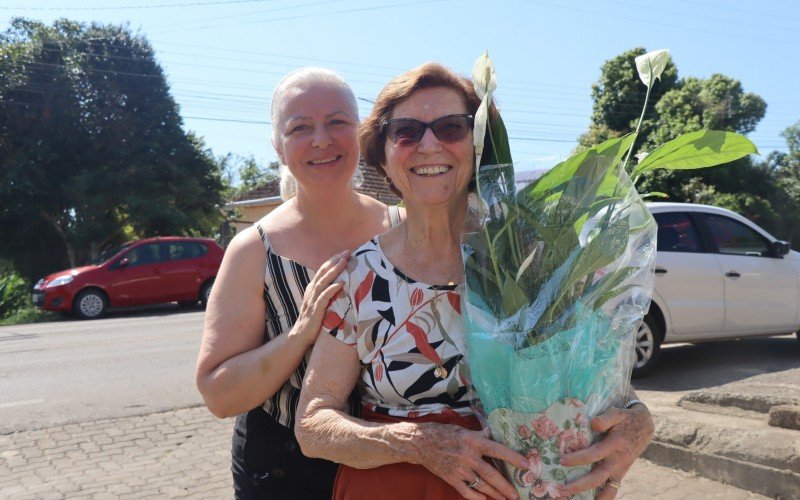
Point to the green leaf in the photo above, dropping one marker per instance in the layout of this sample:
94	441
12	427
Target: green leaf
514	297
564	171
654	194
704	148
499	138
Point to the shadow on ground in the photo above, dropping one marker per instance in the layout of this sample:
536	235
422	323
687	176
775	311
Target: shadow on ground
687	367
140	311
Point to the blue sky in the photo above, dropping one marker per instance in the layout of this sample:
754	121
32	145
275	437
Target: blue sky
223	58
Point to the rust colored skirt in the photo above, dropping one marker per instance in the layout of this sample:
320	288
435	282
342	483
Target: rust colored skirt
403	480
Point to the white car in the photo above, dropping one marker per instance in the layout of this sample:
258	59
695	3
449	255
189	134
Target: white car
718	276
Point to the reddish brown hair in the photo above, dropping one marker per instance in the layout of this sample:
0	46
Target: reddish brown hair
430	75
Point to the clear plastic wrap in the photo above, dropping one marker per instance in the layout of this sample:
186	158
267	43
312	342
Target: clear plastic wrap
558	278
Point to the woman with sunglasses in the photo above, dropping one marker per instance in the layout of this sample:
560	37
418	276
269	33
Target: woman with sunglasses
396	328
275	283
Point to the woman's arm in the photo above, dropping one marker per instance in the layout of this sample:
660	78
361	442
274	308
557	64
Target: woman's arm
236	371
325	430
628	432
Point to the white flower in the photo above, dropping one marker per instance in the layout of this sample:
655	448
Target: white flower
483	76
651	65
485	82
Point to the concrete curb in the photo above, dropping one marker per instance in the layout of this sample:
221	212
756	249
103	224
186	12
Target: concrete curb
768	481
737	448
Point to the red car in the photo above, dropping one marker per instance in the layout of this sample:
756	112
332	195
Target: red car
148	271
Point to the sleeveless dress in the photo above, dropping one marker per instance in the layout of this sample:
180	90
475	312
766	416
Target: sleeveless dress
266	458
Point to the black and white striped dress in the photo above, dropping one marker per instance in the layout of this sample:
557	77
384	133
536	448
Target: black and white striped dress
266	459
285	282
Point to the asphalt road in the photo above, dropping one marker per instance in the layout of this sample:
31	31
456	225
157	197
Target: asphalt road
689	367
136	363
74	371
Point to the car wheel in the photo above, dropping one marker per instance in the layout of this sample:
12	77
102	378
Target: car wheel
205	292
89	304
648	347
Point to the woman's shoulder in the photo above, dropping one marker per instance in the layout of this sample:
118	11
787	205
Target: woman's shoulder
382	212
248	246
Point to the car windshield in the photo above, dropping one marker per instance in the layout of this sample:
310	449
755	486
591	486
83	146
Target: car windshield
107	254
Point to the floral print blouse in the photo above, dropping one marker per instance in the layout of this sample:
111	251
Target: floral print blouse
409	337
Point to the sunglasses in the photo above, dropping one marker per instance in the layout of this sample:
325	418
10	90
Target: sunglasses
408	131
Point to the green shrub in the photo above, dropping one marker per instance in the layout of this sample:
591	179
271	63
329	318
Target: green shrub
29	314
14	292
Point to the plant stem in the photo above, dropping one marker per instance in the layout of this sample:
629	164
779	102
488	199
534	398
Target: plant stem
492	255
641	119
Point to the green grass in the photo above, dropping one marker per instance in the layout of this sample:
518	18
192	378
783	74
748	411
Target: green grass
30	314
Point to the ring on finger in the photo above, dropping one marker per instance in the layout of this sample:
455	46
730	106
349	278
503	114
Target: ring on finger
614	484
475	482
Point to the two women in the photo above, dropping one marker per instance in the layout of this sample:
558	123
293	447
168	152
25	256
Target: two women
395	327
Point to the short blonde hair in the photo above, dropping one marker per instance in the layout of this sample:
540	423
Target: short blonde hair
306	76
299	77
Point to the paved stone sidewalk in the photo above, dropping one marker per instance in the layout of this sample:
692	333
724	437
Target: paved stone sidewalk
186	453
182	453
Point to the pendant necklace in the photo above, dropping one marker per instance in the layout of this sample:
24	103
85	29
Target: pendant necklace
440	371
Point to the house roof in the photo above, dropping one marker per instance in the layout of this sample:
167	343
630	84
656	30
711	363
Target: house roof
374	186
269	193
270	189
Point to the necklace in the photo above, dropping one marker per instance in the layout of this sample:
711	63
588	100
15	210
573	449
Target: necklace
440	371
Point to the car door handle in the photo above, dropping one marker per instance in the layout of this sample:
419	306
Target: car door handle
733	274
661	270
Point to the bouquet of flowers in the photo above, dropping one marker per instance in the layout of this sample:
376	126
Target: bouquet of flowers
558	277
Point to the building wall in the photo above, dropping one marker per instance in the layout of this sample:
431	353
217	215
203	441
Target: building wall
249	215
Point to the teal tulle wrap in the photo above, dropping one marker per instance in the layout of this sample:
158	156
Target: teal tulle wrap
559	275
575	363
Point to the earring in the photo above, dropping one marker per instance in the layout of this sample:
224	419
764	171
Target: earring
387	180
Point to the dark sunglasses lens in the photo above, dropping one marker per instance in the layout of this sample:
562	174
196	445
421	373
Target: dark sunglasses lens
405	132
451	128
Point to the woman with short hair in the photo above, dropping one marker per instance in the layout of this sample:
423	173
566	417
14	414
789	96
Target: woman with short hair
275	282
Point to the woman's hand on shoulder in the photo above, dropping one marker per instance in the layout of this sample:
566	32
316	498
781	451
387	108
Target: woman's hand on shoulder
457	456
628	432
318	295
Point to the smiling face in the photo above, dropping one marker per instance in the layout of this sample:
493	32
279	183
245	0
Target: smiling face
316	134
431	172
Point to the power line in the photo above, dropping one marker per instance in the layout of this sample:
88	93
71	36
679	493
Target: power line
139	7
303	16
656	23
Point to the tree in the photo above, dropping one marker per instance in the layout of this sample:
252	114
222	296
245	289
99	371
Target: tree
244	173
92	149
716	103
788	164
767	192
618	97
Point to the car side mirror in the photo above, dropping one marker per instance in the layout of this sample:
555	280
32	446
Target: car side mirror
780	248
123	262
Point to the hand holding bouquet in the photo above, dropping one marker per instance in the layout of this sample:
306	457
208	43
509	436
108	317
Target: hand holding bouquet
558	278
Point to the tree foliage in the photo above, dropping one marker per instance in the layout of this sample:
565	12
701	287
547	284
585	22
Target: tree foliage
767	192
92	149
618	98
